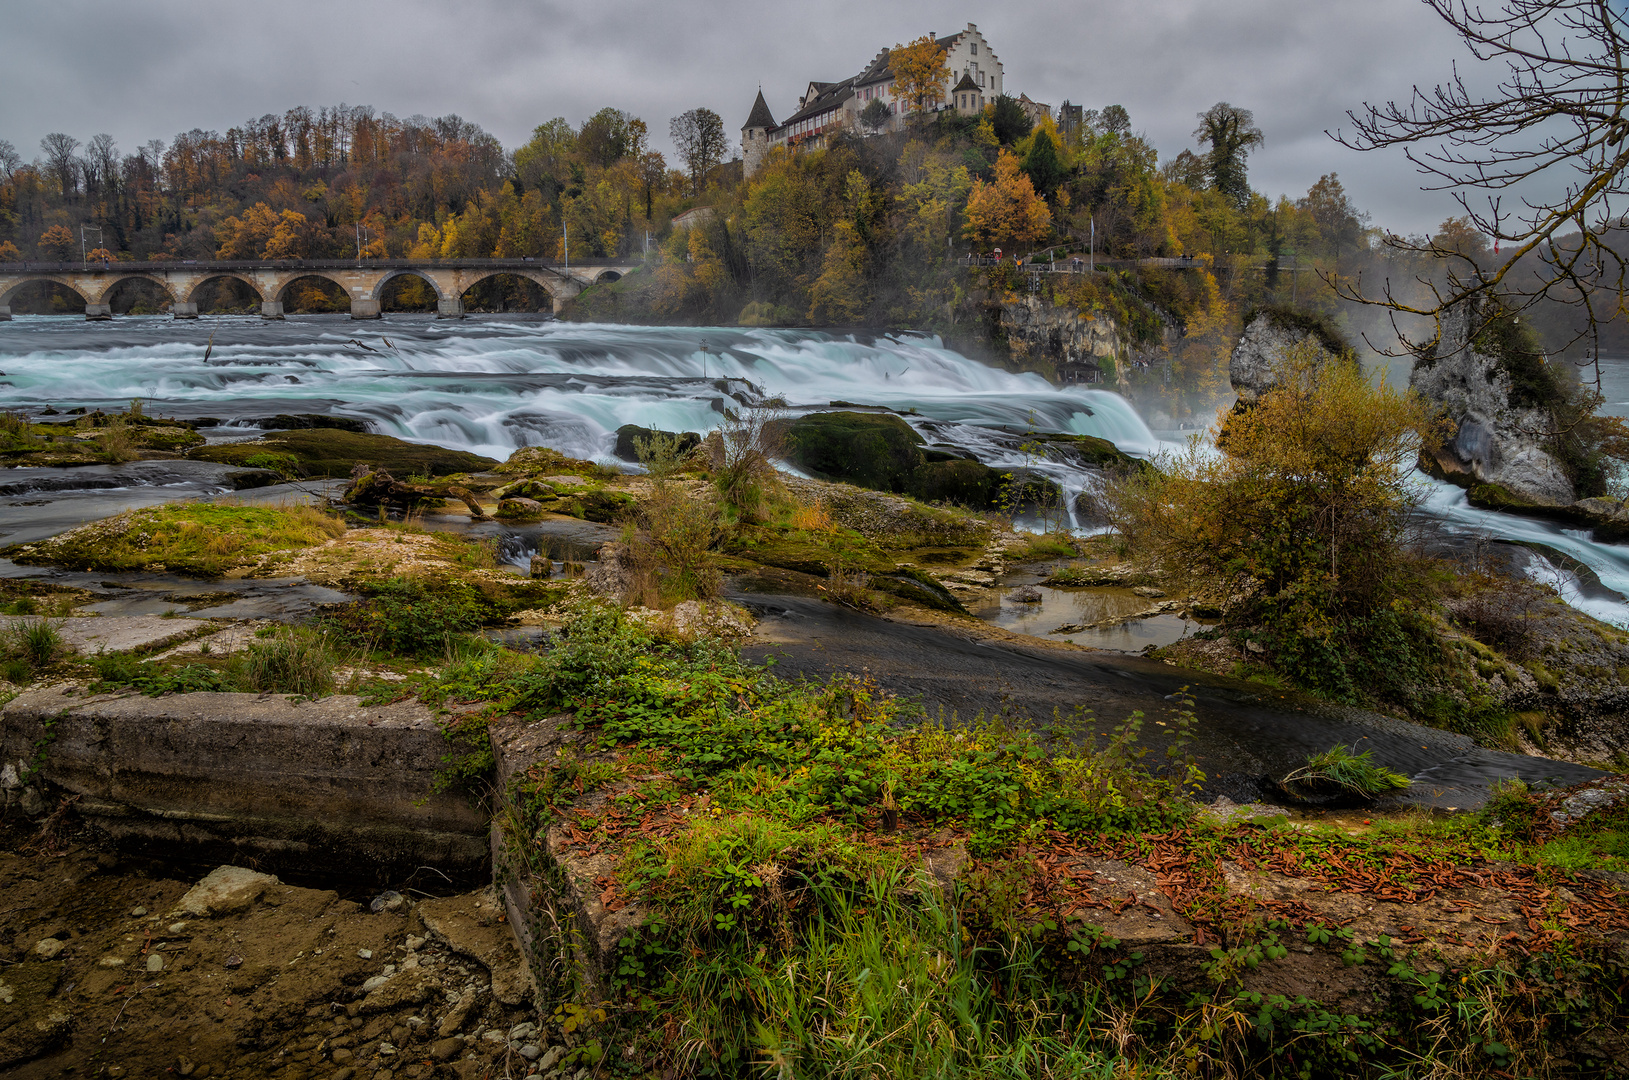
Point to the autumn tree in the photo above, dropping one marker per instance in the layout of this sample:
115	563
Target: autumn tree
1114	120
920	74
58	149
293	238
9	252
58	240
246	237
611	135
699	137
1340	224
1007	209
1231	134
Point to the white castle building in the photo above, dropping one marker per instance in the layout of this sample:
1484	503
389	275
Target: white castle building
826	108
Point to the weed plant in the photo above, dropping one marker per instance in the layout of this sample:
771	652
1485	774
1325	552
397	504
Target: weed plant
1340	770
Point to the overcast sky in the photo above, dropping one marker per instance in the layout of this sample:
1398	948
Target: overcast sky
147	70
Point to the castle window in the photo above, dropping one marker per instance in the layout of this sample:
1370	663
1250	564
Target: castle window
975	46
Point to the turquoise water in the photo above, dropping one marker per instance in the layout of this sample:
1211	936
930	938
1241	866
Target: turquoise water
492	384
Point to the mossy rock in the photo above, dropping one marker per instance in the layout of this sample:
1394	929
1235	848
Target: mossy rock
606	507
918	588
963	482
628	450
1093	451
333	452
547	461
528	489
873	450
518	509
167	439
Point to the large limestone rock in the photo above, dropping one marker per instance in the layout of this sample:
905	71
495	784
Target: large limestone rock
1258	359
1497	435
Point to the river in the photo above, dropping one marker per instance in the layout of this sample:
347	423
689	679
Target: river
492	384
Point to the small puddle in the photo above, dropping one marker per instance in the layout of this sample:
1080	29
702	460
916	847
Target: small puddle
1099	609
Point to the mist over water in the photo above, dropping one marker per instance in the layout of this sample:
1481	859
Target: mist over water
493	384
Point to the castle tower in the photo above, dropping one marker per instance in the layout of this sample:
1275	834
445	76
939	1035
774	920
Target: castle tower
755	135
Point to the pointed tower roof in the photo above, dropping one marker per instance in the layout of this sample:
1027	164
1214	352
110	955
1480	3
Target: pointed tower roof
760	117
967	83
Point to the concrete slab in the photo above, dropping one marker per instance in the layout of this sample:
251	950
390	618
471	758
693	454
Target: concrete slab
298	784
114	633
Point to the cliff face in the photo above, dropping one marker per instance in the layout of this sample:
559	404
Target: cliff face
1069	346
1497	432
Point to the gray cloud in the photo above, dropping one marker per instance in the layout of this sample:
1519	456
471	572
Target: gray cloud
142	71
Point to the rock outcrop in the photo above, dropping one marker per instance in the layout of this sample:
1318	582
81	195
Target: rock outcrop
1270	335
1081	347
1497	421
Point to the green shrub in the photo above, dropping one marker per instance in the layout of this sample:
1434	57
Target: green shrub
409	618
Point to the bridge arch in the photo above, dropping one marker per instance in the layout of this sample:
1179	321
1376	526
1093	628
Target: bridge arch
283	293
548	288
608	276
391	275
9	292
249	282
106	295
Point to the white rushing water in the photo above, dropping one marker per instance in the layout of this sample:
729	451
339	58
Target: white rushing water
492	384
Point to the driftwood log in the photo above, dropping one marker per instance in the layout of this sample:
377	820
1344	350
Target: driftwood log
376	487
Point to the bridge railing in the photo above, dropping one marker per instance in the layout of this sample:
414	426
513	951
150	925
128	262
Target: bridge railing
77	267
1080	264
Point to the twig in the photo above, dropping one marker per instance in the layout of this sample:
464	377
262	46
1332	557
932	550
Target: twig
126	1005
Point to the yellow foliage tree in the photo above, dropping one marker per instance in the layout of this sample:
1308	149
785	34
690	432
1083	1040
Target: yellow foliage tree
920	73
9	252
428	245
1008	208
839	294
246	237
291	239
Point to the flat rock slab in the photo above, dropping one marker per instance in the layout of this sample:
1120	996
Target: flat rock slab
114	633
476	926
31	1020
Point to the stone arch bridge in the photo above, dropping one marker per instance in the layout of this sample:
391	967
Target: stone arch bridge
363	282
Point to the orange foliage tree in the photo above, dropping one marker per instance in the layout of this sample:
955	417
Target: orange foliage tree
920	73
1008	208
58	240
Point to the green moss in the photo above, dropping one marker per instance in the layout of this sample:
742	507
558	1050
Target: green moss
205	539
332	452
874	450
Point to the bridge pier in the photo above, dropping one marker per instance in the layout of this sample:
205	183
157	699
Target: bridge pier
184	311
5	314
98	312
365	309
271	309
451	307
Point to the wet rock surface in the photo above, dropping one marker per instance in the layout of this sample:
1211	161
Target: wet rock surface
274	987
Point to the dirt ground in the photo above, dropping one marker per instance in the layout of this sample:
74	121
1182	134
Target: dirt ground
103	974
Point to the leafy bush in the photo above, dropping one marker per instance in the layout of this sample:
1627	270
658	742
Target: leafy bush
407	617
670	546
1300	519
